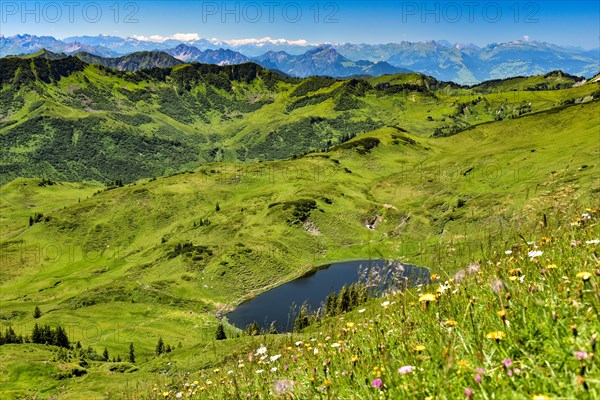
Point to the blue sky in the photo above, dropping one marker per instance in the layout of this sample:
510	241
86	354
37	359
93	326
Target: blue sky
574	23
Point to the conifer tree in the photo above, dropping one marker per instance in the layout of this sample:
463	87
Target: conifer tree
252	329
220	335
131	353
160	347
60	337
272	329
302	320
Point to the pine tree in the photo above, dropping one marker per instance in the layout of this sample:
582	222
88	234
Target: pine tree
105	356
252	329
60	337
37	312
36	334
331	304
131	353
45	334
160	347
11	337
217	207
301	321
220	335
353	296
343	300
272	329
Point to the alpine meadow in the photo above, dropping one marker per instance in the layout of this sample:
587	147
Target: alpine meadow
152	188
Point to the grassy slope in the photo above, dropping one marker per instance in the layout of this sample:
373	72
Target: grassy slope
542	310
111	249
151	127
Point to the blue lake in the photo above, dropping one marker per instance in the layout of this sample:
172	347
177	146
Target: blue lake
280	305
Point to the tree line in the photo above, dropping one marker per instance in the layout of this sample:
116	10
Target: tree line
41	334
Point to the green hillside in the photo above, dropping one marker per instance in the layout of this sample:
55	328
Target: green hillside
43	53
66	120
549	81
455	176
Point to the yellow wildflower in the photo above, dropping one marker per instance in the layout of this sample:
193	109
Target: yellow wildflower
497	335
427	297
585	276
515	272
419	348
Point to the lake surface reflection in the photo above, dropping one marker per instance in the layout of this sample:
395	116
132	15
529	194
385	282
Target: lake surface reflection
280	305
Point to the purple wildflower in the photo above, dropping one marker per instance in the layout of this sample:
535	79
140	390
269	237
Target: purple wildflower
406	369
283	386
507	362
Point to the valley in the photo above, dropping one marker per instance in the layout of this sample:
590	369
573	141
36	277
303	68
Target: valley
138	206
163	121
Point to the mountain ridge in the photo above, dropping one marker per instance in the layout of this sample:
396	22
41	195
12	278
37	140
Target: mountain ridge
92	122
322	61
461	63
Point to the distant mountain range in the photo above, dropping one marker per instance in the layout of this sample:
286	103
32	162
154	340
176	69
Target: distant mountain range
188	53
324	60
440	59
320	61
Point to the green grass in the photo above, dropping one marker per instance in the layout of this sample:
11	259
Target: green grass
101	265
514	327
158	123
